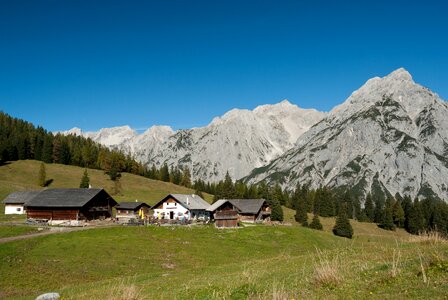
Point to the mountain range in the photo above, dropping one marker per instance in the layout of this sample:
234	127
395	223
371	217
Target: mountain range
390	136
237	142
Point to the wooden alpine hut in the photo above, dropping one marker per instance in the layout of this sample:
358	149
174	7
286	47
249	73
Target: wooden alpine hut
71	204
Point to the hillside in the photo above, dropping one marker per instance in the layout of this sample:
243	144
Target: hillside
22	175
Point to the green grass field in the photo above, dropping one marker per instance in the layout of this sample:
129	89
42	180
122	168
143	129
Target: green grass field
260	262
201	262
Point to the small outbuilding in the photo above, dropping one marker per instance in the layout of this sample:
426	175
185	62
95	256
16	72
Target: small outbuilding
227	213
70	204
181	207
15	202
127	211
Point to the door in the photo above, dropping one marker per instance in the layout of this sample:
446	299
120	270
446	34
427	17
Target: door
171	215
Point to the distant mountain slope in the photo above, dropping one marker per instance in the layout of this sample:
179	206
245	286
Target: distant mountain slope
237	142
389	136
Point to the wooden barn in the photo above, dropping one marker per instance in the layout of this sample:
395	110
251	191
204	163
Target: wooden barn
71	204
224	214
227	213
127	211
15	202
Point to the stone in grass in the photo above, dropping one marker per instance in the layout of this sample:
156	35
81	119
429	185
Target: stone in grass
49	296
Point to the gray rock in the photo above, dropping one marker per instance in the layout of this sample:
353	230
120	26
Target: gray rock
49	296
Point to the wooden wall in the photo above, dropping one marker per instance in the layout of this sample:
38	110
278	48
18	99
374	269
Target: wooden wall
54	214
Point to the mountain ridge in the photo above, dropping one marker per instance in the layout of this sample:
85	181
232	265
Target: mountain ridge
245	138
390	134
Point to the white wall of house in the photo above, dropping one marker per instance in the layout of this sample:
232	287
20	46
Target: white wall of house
14	209
171	210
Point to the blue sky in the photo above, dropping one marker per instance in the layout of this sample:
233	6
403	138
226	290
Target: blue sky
95	64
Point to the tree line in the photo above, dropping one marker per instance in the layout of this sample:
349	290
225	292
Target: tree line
415	216
21	140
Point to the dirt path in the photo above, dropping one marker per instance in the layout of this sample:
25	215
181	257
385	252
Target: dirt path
49	231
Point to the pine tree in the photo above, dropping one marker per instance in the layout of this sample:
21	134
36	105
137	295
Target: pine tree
369	209
228	188
164	173
277	211
85	180
186	177
398	214
416	220
315	224
388	222
42	179
342	226
301	215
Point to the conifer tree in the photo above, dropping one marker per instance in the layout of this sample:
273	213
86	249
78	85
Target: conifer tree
315	224
388	222
301	215
42	179
398	214
416	220
85	180
164	173
369	208
277	211
440	218
342	227
186	177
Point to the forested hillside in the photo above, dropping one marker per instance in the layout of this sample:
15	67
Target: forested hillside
22	140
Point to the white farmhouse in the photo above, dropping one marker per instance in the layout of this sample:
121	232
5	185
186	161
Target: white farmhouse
181	207
15	202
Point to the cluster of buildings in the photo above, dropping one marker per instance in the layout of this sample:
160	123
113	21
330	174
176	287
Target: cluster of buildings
59	206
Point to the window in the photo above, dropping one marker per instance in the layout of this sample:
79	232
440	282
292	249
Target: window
19	209
175	203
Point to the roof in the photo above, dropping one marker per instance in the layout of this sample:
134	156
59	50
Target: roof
130	205
216	205
20	197
244	206
65	197
189	201
248	206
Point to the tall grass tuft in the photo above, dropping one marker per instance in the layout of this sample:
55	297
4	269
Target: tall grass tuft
429	237
327	272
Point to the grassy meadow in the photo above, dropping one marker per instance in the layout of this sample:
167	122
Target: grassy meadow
202	262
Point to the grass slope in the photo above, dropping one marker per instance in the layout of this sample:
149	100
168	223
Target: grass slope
22	175
202	262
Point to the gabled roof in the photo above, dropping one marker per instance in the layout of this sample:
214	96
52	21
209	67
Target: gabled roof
66	198
248	206
216	205
20	197
189	201
131	205
244	206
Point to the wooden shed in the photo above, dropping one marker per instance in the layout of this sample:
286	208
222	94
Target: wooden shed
127	211
224	214
71	204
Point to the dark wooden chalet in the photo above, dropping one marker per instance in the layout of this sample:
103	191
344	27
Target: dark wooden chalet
227	213
71	204
131	210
